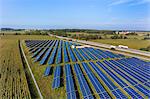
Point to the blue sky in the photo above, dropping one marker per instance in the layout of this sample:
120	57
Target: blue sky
92	14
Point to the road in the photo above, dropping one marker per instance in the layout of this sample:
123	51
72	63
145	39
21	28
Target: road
129	50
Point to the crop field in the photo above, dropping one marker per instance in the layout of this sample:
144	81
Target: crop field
65	72
13	83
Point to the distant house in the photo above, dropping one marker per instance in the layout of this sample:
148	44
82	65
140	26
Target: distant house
123	32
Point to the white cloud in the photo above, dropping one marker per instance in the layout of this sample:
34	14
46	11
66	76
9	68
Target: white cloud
128	2
139	2
119	2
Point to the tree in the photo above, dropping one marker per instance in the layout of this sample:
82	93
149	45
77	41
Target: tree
125	37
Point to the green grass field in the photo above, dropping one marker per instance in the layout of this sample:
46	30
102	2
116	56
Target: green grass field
131	43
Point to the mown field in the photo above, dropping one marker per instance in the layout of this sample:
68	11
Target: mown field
131	43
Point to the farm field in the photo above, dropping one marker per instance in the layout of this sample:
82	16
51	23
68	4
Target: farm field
63	72
131	43
11	32
13	83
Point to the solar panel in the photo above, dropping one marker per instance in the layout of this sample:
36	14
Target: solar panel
52	56
73	58
66	58
133	93
124	75
69	83
89	54
43	60
129	72
113	75
78	55
98	87
59	56
83	54
82	83
47	71
56	79
107	81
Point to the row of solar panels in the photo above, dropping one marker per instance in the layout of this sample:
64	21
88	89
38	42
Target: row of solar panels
55	54
104	76
66	43
39	43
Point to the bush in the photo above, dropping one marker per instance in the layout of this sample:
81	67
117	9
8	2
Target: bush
125	37
114	37
86	37
146	49
133	33
118	37
35	32
17	34
146	38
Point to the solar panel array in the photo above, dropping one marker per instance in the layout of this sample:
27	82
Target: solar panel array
92	73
